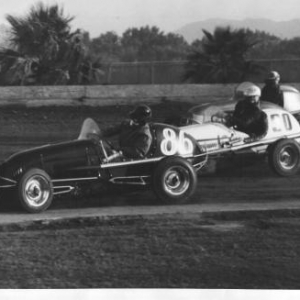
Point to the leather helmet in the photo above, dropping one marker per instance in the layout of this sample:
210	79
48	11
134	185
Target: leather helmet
141	113
273	75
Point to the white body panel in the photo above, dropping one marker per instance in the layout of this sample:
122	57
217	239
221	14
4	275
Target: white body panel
216	136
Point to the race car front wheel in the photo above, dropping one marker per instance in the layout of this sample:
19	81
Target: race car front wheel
35	191
174	180
284	157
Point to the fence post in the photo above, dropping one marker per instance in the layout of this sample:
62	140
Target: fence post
109	74
152	72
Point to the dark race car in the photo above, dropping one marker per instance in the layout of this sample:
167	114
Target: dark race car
34	176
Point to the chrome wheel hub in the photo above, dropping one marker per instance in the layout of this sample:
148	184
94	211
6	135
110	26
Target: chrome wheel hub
37	190
177	180
288	158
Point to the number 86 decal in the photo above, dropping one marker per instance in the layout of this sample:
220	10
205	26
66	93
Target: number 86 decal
171	143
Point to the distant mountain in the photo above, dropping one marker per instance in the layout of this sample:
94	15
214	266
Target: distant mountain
284	29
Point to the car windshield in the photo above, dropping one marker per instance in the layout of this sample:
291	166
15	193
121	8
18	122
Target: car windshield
292	101
88	129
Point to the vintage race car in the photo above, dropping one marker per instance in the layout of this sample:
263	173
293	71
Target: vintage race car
34	176
280	142
205	112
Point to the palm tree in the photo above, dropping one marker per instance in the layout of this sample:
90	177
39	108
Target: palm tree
47	51
221	57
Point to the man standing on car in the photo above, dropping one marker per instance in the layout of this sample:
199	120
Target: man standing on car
248	117
135	137
271	91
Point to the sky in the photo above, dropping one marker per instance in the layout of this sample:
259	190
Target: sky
100	16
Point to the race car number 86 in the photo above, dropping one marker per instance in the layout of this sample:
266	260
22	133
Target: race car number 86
171	143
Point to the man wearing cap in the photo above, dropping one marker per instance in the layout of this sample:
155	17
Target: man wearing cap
271	91
248	117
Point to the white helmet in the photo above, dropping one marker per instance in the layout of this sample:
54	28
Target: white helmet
252	91
239	92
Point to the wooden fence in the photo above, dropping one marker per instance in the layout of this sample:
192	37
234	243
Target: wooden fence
173	72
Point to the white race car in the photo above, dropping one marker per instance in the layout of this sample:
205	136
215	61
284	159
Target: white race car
204	112
280	142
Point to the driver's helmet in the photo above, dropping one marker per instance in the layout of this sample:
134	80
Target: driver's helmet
240	90
273	76
252	94
142	113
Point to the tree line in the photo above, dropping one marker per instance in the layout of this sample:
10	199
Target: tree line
44	50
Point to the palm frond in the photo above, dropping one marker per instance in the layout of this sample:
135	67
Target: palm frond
222	57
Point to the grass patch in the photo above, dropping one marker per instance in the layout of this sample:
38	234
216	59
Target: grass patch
168	251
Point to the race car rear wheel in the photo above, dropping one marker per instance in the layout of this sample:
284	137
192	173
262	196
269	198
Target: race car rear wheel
284	157
35	191
174	180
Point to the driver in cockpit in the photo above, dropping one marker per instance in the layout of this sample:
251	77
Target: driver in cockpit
135	137
248	117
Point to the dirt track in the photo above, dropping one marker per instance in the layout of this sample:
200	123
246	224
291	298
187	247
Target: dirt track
234	186
214	194
185	249
100	212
